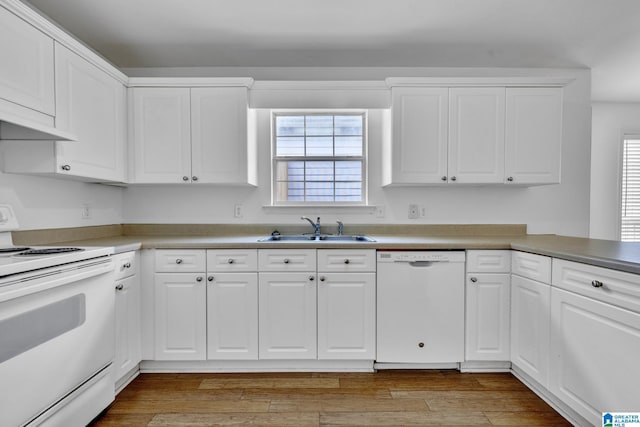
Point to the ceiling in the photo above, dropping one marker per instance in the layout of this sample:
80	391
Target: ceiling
602	35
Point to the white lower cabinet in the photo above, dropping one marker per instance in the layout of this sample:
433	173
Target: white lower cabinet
232	316
180	316
346	316
287	313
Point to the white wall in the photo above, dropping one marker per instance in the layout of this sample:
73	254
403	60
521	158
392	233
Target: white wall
611	121
54	203
558	209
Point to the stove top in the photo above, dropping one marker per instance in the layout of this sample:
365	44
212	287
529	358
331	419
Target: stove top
28	252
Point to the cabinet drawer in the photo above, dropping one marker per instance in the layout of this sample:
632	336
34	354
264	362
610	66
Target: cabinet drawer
347	260
221	260
126	264
180	260
287	260
602	284
488	261
536	267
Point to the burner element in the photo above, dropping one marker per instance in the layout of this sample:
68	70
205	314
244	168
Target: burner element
13	249
47	251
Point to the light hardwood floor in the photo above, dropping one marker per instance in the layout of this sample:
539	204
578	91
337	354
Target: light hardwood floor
385	398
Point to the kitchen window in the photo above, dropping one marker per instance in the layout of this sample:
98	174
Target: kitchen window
630	190
319	158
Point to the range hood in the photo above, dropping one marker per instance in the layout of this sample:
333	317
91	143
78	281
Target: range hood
14	128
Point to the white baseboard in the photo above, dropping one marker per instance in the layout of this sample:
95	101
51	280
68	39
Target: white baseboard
230	366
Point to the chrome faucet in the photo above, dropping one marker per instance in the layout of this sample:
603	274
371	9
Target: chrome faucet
340	228
315	225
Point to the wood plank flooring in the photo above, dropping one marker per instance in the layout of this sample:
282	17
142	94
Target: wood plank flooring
385	398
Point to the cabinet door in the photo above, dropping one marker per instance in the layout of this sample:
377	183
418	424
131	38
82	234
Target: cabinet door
476	135
533	135
530	327
91	104
346	316
161	133
418	153
287	313
487	320
180	316
232	316
222	152
26	75
128	352
594	363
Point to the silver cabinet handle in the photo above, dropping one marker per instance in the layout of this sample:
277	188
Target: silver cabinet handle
210	278
230	261
510	179
185	178
346	261
312	278
473	279
194	178
199	279
127	265
453	178
119	287
179	261
444	178
66	167
597	284
286	260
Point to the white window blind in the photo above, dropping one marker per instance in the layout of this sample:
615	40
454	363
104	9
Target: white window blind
630	208
319	158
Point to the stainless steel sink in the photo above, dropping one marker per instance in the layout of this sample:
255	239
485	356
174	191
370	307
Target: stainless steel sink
312	238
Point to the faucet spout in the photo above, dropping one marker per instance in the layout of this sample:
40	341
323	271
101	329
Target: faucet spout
315	225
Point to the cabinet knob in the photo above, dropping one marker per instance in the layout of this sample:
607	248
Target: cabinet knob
312	278
199	279
194	178
119	287
444	178
179	261
421	344
127	265
322	278
597	284
65	167
286	260
510	179
210	278
346	261
473	279
185	178
230	261
453	178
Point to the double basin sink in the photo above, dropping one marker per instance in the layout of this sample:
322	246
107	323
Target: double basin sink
315	238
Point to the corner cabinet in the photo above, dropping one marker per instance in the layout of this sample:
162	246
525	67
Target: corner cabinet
490	134
90	104
198	134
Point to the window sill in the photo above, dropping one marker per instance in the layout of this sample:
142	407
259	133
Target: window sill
370	209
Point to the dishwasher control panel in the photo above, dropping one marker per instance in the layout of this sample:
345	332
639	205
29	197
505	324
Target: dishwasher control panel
418	256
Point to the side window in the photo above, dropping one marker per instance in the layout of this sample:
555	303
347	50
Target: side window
630	190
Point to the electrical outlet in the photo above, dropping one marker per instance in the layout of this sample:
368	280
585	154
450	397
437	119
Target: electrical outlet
86	211
413	212
379	211
238	211
423	211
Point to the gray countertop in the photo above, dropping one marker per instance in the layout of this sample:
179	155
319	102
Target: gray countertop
622	256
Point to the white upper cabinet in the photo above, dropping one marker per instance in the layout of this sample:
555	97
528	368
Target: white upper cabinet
418	147
192	134
533	135
91	104
161	135
26	74
476	135
223	147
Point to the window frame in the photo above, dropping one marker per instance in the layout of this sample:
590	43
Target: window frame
621	186
363	159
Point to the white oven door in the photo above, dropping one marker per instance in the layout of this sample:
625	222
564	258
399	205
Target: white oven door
56	332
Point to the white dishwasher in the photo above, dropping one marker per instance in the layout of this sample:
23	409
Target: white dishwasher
420	305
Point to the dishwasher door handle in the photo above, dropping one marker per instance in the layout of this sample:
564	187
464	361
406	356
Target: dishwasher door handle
422	263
